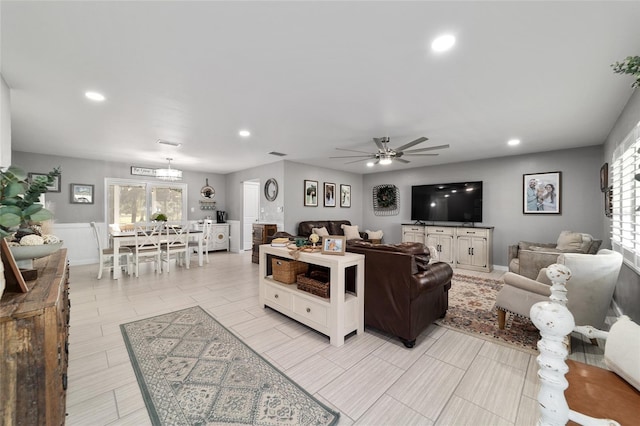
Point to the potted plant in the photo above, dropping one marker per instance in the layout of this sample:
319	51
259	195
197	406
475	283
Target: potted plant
631	66
22	214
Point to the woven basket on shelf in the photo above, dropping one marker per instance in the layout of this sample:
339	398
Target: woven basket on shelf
313	286
285	270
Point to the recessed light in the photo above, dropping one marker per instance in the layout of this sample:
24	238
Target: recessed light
370	164
513	142
443	43
244	133
95	96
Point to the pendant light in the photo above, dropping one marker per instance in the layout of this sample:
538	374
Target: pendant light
169	173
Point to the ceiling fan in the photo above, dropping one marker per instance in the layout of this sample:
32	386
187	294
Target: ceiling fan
387	155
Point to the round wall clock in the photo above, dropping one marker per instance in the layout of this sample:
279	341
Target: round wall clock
271	189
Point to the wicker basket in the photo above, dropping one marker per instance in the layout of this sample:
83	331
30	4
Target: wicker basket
285	270
313	286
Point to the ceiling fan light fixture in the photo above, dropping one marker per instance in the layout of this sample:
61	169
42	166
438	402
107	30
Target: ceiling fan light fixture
385	159
169	174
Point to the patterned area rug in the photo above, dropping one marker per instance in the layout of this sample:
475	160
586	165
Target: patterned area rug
472	310
193	371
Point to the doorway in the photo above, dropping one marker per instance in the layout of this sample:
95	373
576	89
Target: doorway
251	211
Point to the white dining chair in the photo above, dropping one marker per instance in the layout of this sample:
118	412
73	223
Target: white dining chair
175	244
206	235
147	246
106	255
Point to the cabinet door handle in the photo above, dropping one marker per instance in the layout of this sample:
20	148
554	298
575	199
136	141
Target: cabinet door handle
275	296
469	251
308	310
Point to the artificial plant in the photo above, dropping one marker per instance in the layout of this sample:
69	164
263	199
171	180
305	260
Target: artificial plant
631	65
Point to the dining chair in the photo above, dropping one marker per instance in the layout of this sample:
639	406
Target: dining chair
147	246
206	235
175	244
106	254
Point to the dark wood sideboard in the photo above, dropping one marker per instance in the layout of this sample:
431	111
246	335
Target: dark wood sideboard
35	347
261	233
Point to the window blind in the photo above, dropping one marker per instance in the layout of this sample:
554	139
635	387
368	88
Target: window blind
625	218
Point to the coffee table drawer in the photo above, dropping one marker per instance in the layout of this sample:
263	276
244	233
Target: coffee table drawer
310	310
278	296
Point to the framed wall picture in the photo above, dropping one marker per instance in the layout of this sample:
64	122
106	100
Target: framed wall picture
329	194
334	244
542	193
604	177
345	195
608	202
311	193
81	193
54	187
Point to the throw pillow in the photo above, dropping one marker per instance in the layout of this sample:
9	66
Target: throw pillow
374	235
351	232
322	232
622	348
569	240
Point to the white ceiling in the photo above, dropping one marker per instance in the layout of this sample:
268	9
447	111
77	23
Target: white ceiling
308	77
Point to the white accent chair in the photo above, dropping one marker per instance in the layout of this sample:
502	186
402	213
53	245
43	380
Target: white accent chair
147	246
590	288
174	244
106	255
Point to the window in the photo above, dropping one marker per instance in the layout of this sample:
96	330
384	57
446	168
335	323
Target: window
625	219
130	201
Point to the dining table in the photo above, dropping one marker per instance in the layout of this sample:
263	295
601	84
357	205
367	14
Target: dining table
128	238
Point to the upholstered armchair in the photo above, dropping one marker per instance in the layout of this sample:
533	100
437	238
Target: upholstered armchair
528	258
589	290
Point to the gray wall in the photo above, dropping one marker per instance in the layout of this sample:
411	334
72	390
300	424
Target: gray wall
296	174
93	172
627	294
5	124
582	202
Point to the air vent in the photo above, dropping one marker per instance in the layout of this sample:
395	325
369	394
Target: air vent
163	142
277	154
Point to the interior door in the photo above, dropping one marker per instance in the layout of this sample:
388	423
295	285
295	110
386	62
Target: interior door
251	211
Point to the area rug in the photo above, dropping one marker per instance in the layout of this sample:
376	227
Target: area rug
472	310
193	371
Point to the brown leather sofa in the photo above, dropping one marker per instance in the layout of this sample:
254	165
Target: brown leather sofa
333	227
403	293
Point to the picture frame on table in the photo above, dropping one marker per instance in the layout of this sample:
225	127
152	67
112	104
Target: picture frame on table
329	194
54	187
542	193
334	244
311	193
81	193
345	195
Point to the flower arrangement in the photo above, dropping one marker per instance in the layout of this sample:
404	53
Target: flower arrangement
21	214
159	217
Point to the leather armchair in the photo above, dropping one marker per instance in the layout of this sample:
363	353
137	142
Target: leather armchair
589	290
404	293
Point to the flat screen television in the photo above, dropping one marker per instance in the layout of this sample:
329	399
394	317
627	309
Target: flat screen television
447	202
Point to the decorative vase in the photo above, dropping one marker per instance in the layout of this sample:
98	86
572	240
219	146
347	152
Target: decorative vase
24	255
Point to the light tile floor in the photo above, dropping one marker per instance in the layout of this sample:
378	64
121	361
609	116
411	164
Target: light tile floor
448	378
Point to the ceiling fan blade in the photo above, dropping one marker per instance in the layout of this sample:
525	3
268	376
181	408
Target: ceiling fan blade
410	144
420	155
402	160
431	148
356	156
379	144
353	150
362	159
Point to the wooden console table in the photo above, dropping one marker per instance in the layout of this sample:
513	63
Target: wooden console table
34	353
336	316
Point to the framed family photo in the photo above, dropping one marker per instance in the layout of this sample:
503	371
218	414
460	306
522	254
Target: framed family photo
542	193
311	193
334	244
54	187
329	194
81	193
345	195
